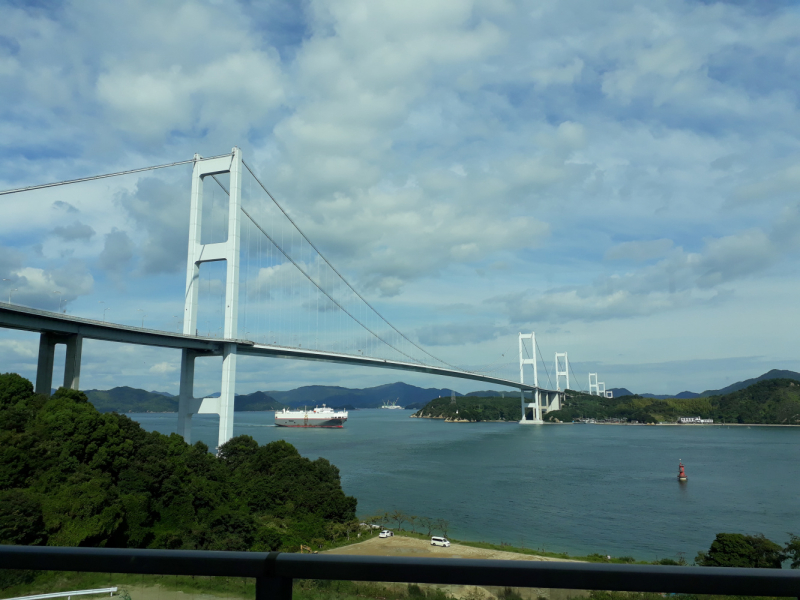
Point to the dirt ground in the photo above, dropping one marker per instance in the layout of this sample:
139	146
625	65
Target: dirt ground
405	546
399	545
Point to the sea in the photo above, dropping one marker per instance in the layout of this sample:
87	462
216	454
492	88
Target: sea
580	489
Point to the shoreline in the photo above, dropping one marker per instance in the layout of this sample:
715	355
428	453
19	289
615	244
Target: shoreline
449	420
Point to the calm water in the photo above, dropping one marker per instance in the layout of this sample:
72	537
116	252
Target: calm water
573	488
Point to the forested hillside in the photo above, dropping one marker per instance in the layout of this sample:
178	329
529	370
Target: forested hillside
132	400
772	401
72	476
469	408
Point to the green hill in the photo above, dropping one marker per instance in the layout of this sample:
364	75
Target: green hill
770	401
132	400
740	385
73	476
127	399
472	409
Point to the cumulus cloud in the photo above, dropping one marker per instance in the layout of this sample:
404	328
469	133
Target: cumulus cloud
117	252
164	367
682	279
65	206
419	142
76	231
52	289
160	211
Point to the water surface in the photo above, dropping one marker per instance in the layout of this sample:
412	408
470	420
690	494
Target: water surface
574	488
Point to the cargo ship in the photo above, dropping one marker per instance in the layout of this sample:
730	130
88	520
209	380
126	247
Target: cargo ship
323	416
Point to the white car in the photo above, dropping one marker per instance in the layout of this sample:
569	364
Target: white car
386	533
440	541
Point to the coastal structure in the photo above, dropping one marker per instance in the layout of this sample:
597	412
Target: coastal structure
695	420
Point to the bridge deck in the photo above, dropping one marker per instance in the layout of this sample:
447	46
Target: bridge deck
13	316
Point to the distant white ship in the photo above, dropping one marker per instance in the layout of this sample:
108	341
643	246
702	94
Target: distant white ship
391	405
323	416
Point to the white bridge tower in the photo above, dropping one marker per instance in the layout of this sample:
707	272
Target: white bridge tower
594	389
562	372
535	405
227	251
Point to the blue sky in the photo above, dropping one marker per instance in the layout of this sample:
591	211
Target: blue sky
619	177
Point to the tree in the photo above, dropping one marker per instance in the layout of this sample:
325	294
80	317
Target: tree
412	521
427	524
792	550
399	516
442	525
739	550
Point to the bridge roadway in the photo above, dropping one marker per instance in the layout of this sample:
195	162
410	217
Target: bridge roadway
58	327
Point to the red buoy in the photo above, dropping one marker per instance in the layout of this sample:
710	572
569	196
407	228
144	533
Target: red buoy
681	473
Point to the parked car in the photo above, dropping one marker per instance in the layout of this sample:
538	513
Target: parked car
386	533
440	541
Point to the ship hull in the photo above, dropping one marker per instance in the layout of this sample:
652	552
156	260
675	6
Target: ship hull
299	422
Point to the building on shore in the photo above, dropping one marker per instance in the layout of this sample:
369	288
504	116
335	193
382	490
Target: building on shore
695	420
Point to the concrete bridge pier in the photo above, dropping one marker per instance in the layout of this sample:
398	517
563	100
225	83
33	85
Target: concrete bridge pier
536	418
72	366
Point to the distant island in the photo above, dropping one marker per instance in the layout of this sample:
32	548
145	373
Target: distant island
132	400
770	401
469	409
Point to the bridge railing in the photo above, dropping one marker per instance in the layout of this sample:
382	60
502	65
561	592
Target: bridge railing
274	572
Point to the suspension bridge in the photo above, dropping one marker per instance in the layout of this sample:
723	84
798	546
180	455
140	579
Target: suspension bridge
275	294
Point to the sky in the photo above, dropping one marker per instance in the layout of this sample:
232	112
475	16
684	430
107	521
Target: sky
618	177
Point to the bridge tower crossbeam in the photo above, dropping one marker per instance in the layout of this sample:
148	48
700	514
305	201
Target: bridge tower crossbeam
199	253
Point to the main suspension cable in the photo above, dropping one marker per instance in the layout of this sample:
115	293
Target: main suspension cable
105	176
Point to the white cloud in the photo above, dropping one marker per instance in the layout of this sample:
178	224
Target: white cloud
418	145
639	251
164	367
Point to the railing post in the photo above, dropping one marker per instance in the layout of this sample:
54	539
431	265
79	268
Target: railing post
273	588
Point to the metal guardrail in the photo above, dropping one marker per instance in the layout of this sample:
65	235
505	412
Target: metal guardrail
275	571
67	595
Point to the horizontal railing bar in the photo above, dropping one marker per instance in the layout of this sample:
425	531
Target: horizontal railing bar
511	573
110	590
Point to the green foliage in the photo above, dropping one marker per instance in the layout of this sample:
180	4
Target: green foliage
739	550
792	551
773	401
469	408
72	476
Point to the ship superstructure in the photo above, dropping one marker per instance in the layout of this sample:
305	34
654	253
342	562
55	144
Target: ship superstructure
323	416
391	404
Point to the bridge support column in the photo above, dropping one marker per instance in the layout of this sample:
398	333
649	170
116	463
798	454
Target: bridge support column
72	368
186	395
228	393
44	366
